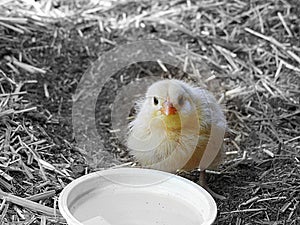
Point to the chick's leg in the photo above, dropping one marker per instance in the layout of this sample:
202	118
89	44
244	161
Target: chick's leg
203	183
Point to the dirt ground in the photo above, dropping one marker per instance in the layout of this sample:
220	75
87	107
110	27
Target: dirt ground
252	47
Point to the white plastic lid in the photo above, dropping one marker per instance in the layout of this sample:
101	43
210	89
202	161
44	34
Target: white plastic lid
134	196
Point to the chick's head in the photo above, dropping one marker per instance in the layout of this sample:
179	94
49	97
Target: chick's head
169	102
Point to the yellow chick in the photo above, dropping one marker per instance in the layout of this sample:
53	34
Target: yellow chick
178	127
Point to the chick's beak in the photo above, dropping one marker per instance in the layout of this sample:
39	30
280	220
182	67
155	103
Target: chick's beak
168	108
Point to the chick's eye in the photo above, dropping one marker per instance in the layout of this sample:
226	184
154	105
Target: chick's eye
155	101
180	101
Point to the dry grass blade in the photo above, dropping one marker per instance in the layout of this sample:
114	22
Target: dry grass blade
42	196
269	39
29	204
245	211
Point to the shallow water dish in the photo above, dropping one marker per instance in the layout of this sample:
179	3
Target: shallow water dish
133	196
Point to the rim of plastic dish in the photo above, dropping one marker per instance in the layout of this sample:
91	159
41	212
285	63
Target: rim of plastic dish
63	197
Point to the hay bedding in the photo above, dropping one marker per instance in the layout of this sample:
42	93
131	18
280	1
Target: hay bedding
45	46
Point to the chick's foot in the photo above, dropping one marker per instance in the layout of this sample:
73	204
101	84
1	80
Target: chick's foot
202	182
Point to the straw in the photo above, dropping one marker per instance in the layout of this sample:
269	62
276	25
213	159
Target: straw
246	52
